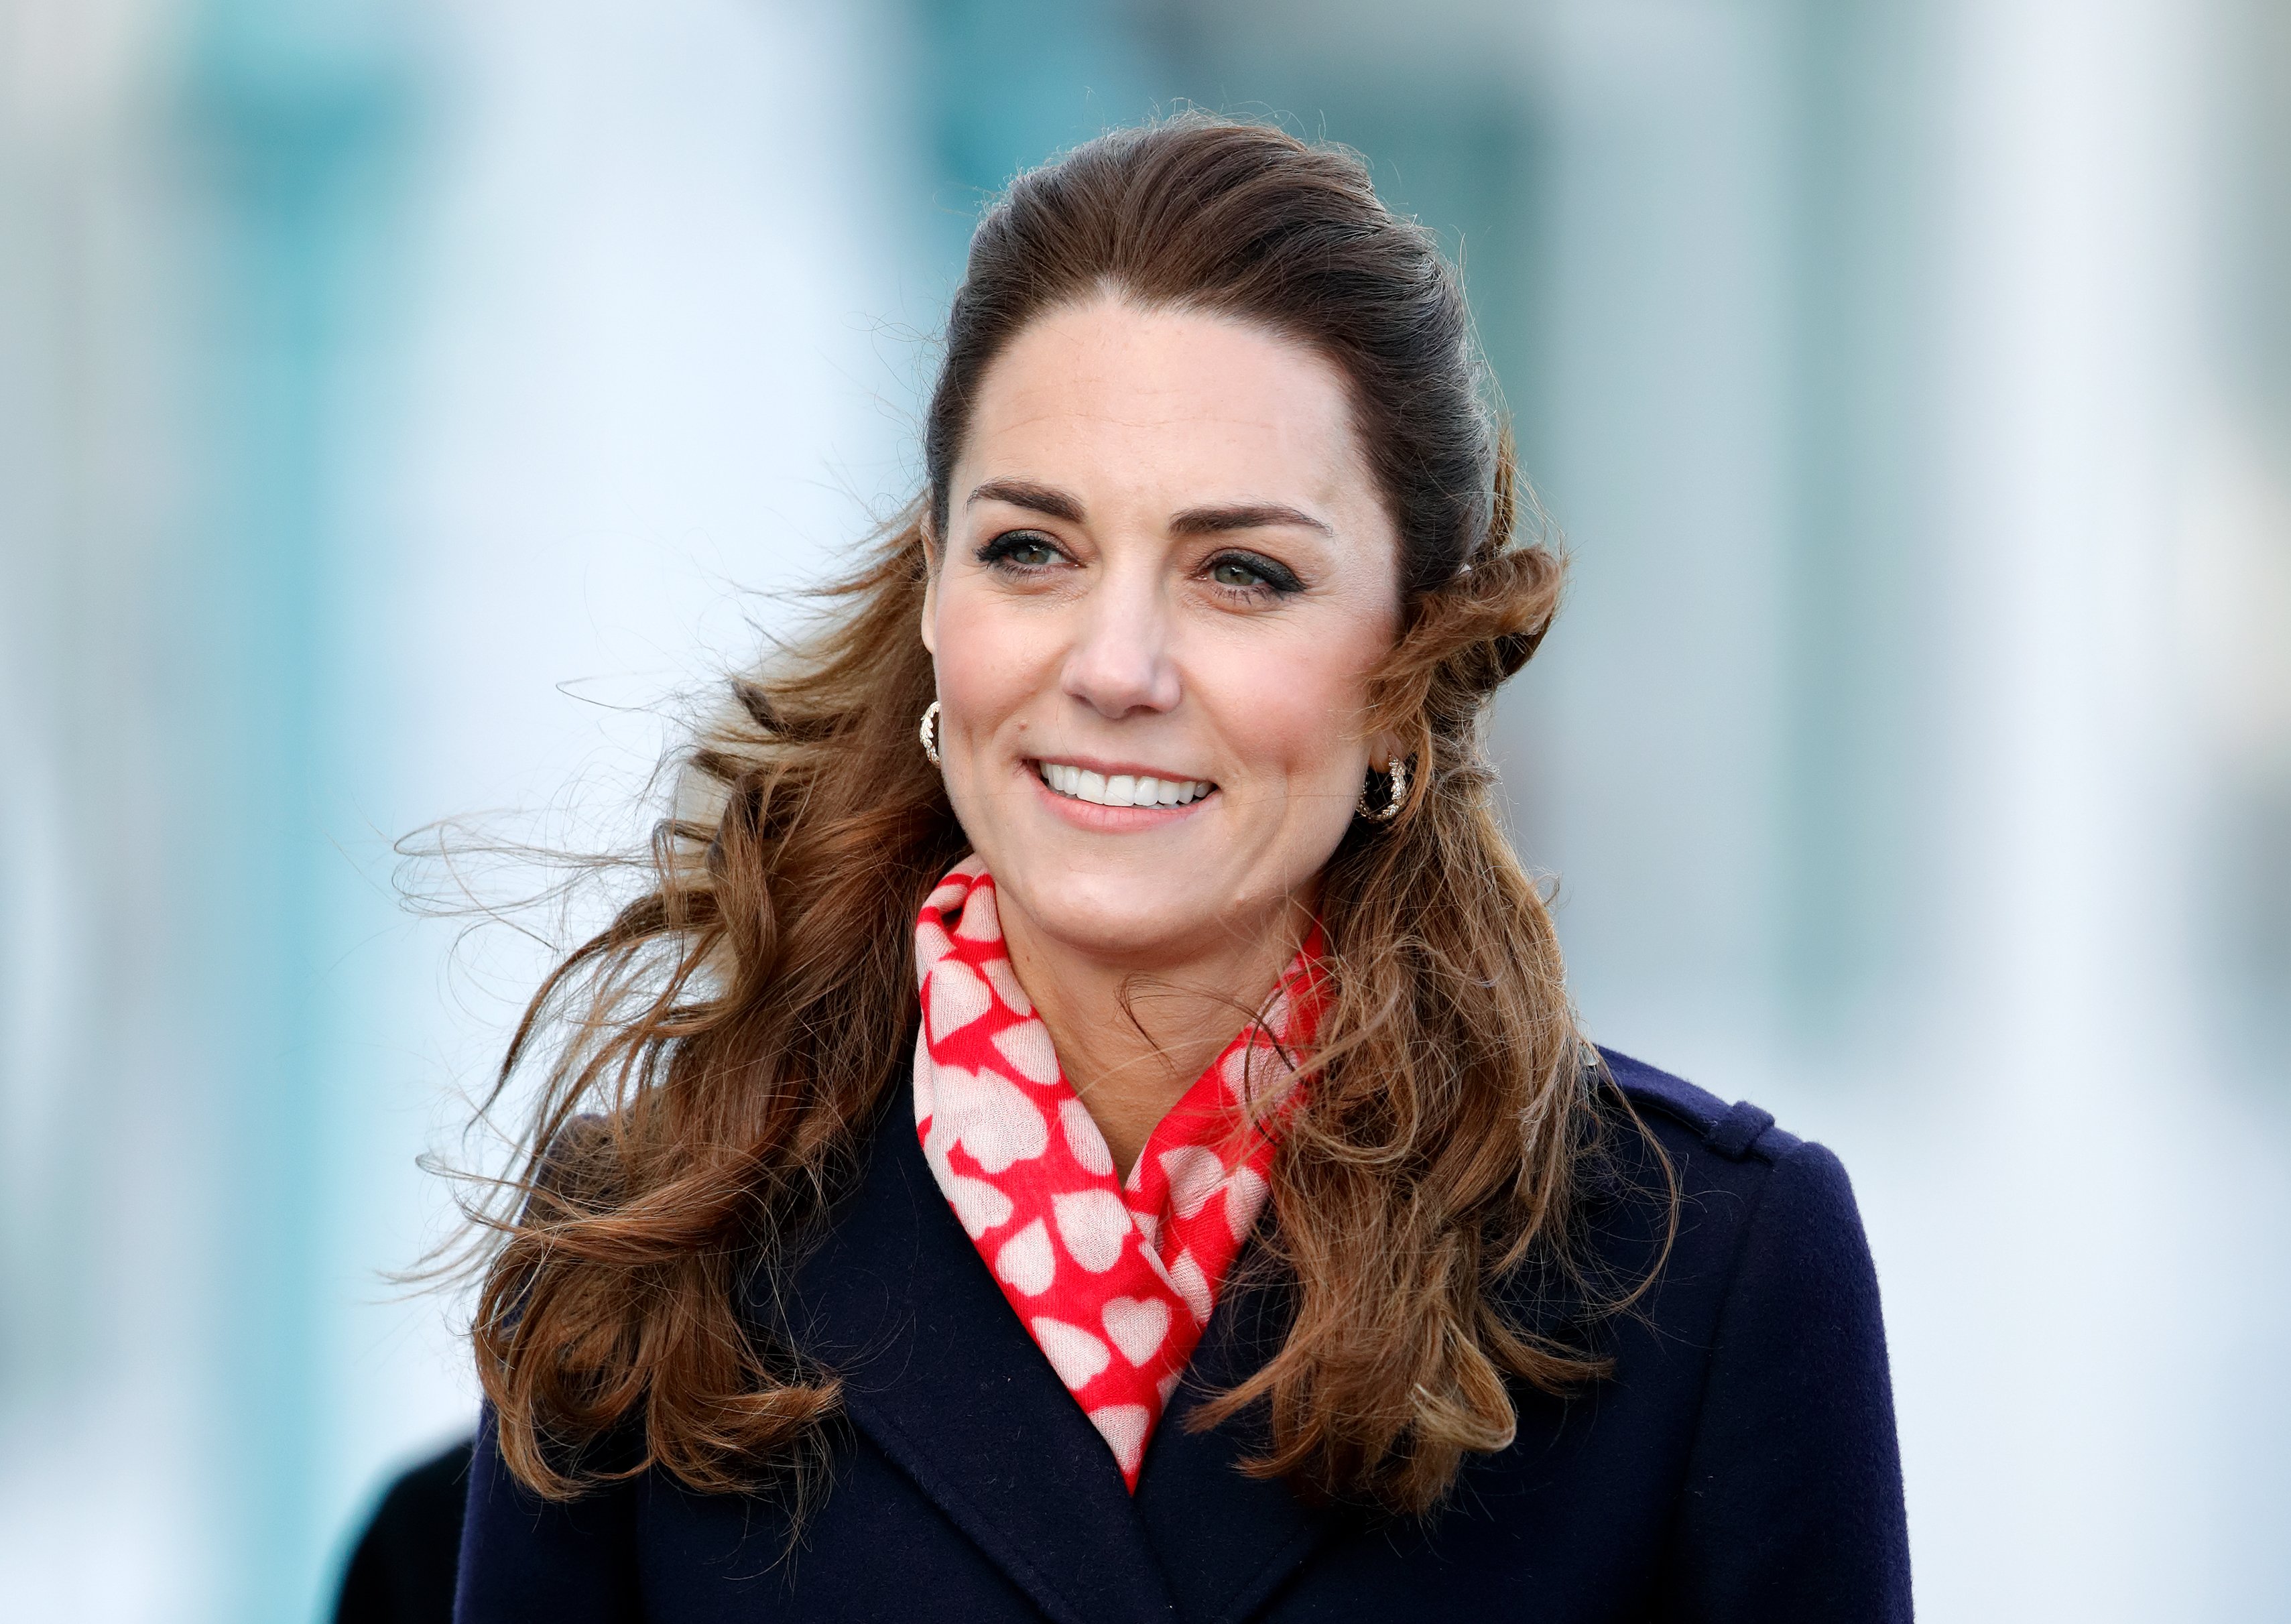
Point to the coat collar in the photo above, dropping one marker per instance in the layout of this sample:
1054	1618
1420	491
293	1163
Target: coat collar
941	1375
1226	1541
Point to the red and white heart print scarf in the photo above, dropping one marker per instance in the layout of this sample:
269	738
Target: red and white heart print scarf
1114	1281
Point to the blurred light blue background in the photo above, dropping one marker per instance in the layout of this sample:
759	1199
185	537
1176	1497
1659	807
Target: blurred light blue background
399	401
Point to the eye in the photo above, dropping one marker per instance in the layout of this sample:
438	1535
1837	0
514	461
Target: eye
1252	574
1233	571
1021	550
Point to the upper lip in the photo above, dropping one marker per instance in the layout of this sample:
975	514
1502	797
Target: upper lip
1092	764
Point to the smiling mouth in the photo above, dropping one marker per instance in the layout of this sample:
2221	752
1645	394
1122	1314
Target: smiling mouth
1120	789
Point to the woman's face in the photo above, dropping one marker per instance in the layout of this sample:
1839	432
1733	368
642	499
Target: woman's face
1166	574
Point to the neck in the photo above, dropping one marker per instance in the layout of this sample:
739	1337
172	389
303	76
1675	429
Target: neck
1131	1038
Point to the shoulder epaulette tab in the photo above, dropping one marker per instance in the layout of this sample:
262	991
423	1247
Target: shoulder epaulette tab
1733	1134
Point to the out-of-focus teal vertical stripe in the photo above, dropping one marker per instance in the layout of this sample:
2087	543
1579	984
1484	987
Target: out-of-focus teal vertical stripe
296	112
1010	83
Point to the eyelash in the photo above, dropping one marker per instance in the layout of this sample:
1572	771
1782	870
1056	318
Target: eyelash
1000	551
1276	580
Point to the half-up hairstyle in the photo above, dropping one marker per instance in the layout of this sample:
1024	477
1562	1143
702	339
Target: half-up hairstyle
711	1060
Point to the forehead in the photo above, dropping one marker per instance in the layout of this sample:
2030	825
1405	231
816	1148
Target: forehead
1177	402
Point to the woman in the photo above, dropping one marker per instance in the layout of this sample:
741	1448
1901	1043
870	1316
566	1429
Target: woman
1084	1120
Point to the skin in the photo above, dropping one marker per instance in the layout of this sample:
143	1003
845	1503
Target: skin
1164	554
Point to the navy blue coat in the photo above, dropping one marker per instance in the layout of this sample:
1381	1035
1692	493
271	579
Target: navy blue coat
1738	1466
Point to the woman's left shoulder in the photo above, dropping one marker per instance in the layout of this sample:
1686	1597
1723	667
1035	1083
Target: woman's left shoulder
1764	1348
1760	1211
1738	1150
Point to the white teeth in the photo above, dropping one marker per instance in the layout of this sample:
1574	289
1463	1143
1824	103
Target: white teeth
1121	789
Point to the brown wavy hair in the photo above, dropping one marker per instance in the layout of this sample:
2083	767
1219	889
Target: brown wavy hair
711	1060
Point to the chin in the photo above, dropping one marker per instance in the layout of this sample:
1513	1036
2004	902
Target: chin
1118	916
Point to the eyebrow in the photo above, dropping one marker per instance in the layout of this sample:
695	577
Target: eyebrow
1055	503
1244	515
1025	494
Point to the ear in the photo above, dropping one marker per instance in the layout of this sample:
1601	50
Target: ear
930	588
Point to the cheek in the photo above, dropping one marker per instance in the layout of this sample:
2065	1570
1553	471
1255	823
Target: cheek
989	663
1293	720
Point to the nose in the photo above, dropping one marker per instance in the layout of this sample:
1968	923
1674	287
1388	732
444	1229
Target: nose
1121	661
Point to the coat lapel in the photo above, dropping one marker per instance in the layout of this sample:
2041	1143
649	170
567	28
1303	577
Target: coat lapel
940	1374
1227	1541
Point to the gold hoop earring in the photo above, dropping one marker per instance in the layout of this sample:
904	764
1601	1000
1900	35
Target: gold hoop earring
929	732
1395	772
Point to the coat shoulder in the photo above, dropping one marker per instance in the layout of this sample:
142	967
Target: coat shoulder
1701	1185
1686	1117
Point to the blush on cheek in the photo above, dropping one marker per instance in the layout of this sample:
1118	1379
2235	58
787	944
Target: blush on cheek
1289	723
1294	704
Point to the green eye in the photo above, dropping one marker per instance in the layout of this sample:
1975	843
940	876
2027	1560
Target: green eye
1234	573
1253	575
1020	550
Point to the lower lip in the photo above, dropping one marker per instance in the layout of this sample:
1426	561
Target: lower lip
1111	820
